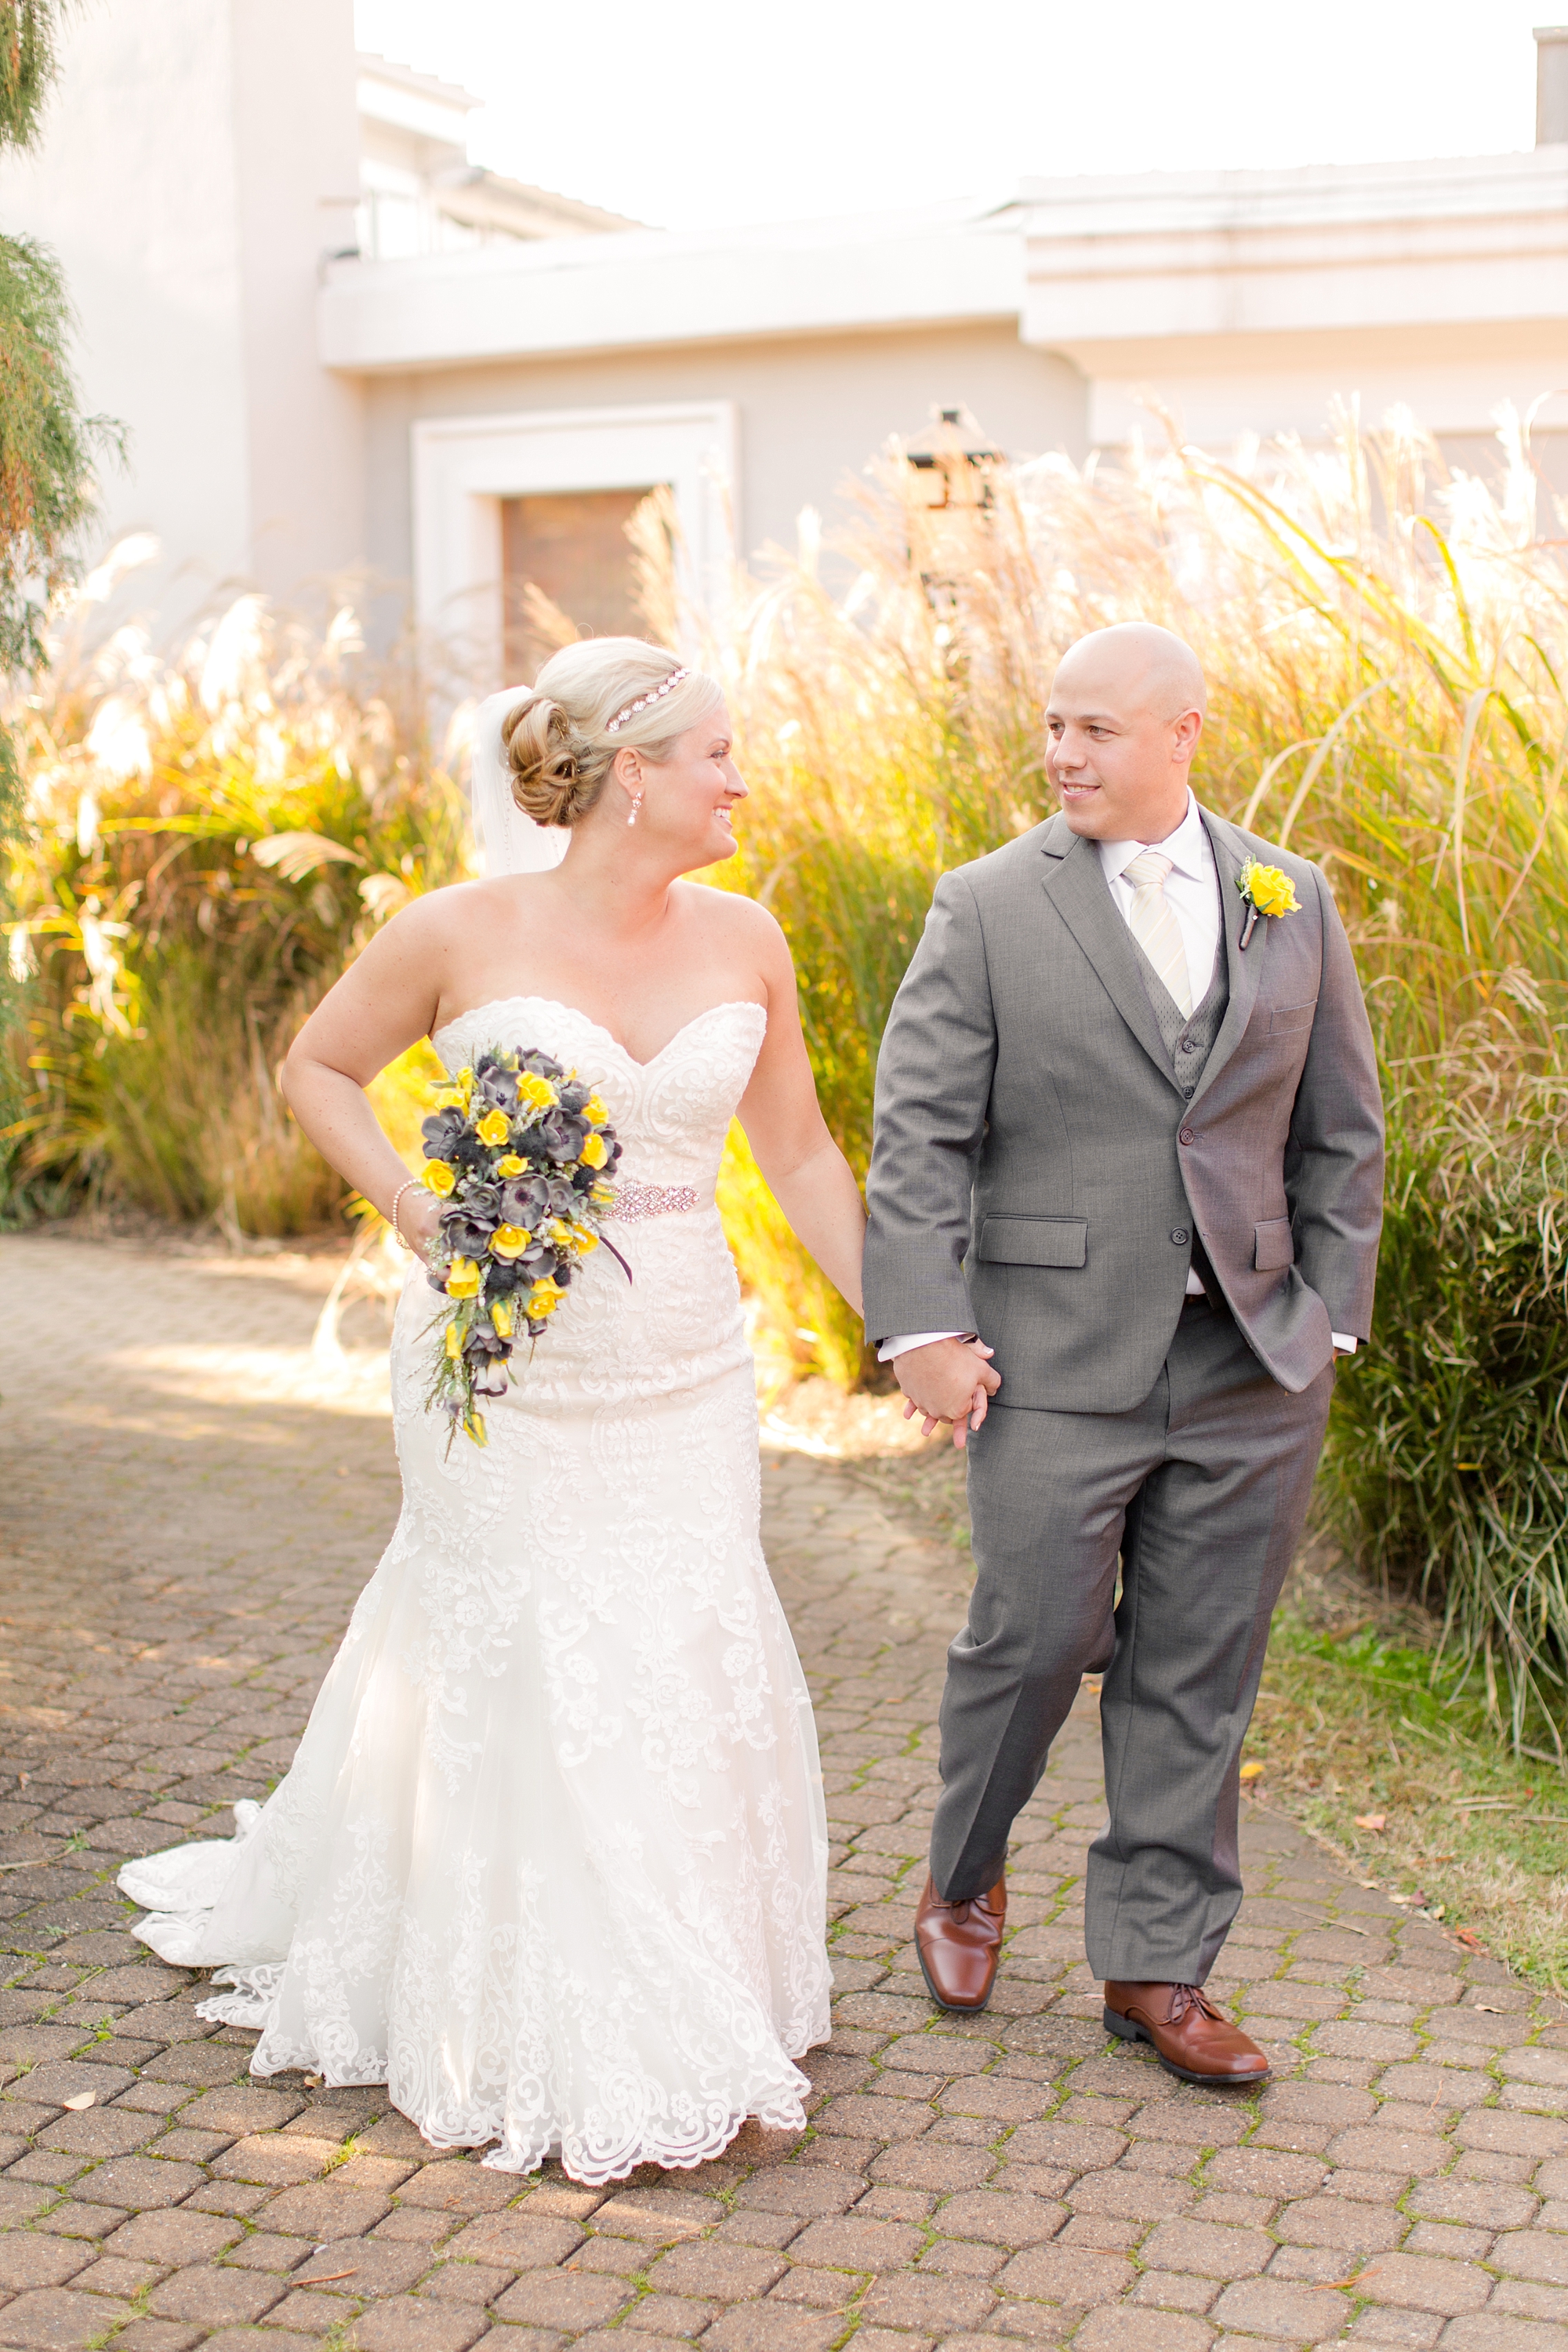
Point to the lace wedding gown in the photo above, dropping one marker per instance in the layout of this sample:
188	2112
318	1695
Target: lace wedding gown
550	1861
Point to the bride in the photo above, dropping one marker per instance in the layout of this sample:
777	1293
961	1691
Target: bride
550	1861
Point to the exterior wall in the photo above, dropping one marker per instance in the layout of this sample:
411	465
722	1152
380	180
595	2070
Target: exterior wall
297	142
186	180
811	411
137	193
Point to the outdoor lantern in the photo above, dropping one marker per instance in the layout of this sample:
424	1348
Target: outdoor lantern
952	463
951	470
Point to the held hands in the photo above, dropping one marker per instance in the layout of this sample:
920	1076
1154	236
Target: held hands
948	1381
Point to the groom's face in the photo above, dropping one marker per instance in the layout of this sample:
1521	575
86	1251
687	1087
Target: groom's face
1114	752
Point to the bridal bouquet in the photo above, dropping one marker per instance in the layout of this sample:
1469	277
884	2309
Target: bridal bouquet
519	1152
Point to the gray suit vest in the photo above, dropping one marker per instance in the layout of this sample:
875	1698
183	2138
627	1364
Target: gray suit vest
1188	1041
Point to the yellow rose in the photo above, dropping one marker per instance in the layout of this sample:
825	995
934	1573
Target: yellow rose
538	1092
440	1178
501	1319
509	1241
494	1127
1271	891
474	1423
594	1151
510	1166
454	1342
583	1241
545	1298
463	1279
595	1109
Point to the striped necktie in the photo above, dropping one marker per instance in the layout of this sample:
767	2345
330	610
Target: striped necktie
1154	924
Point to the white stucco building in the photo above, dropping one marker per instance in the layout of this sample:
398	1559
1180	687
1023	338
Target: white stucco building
337	344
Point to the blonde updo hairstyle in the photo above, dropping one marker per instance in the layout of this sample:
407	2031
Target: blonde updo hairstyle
556	740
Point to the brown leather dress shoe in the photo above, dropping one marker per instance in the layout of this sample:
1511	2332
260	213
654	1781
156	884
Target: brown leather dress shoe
1194	2040
958	1944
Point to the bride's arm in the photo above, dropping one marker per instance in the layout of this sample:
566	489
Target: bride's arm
387	999
803	1168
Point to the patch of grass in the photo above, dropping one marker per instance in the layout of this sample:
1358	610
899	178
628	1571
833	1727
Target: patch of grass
1359	1716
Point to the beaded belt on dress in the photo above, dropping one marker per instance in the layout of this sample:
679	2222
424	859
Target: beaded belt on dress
634	1202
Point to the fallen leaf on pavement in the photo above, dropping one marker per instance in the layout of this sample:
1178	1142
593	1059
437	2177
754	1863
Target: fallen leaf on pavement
1371	1820
82	2099
1252	1771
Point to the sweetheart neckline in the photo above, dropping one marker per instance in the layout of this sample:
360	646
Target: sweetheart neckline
495	1003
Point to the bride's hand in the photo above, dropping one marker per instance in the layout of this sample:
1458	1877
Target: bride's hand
419	1216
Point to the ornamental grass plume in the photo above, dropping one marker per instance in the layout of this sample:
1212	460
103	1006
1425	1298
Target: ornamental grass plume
1386	646
207	840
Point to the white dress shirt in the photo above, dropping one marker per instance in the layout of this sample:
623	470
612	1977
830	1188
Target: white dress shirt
1191	893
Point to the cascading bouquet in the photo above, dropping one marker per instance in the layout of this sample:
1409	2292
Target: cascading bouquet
520	1152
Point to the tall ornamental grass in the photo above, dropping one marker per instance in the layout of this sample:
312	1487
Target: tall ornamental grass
1386	647
209	839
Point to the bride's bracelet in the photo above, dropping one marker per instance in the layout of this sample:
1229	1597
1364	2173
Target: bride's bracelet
415	1184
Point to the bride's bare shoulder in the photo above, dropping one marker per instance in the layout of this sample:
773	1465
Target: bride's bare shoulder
728	915
458	908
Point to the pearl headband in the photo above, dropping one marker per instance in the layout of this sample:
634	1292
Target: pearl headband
644	700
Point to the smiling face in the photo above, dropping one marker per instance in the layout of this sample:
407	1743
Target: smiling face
688	798
1122	723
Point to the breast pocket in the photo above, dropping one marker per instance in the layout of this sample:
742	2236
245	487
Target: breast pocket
1034	1241
1285	1018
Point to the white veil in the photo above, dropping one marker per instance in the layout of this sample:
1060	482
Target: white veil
509	842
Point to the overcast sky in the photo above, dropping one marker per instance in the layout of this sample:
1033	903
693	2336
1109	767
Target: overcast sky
695	113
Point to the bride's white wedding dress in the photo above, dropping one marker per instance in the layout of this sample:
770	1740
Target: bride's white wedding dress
550	1861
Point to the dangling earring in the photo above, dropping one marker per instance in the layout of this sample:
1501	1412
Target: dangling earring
636	804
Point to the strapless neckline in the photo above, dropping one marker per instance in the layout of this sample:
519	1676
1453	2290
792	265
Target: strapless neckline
559	1005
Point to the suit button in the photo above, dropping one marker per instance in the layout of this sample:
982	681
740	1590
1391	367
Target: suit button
1181	1236
1185	1136
1186	1046
1188	1092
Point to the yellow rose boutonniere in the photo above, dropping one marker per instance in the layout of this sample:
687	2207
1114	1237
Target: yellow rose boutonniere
494	1127
1265	890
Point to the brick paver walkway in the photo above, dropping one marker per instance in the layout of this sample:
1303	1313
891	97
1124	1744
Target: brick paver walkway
185	1535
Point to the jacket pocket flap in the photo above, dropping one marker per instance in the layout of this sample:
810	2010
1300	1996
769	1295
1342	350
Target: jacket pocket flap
1292	1017
1273	1246
1035	1241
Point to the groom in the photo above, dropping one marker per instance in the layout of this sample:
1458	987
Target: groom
1129	1134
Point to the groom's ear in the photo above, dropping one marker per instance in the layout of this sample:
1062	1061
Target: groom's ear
1184	734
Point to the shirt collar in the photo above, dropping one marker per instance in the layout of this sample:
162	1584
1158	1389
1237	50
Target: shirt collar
1187	848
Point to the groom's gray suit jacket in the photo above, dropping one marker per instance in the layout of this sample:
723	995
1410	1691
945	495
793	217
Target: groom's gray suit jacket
1040	1174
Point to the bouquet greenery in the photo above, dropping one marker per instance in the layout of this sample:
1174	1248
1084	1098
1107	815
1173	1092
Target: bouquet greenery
520	1153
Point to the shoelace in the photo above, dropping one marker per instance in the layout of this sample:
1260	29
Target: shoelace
1185	1997
961	1911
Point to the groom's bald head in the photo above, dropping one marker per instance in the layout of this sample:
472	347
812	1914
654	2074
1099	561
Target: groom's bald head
1126	710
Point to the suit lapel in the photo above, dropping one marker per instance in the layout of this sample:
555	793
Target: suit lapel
1076	885
1245	971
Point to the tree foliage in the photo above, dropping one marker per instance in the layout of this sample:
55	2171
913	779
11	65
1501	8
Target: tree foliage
46	445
